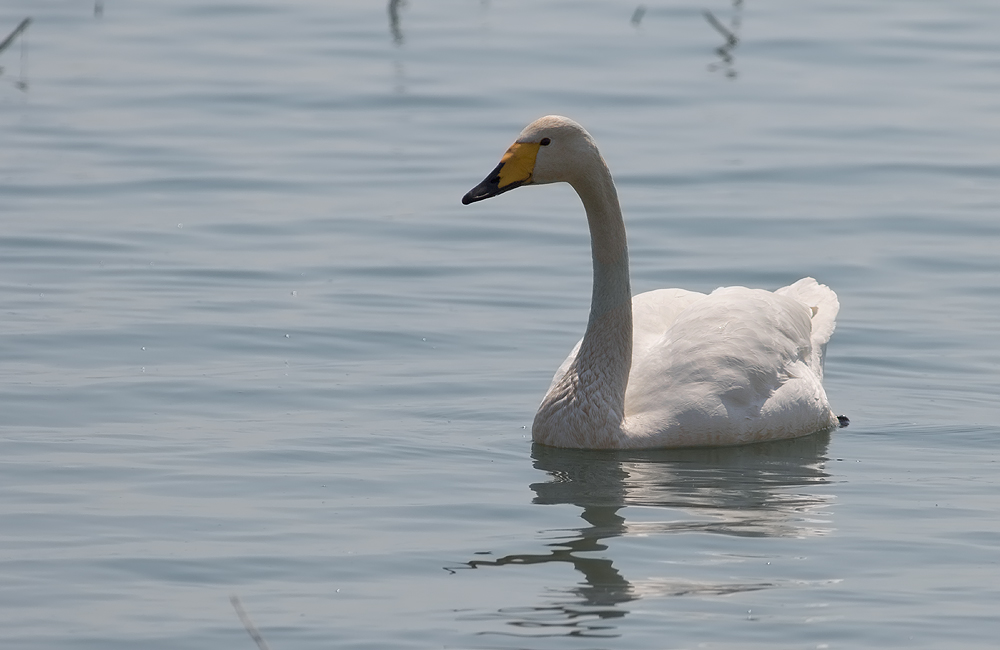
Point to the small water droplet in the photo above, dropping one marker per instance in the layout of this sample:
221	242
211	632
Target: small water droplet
180	225
144	347
288	336
295	293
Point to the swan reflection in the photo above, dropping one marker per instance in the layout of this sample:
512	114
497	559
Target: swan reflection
756	491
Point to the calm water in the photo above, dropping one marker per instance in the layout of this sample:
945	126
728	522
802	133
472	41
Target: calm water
252	343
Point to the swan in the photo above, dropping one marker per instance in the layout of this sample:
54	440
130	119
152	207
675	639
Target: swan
669	368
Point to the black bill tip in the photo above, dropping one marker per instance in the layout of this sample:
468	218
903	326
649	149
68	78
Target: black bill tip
489	188
478	193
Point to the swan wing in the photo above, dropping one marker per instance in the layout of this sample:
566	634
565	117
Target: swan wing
735	366
653	313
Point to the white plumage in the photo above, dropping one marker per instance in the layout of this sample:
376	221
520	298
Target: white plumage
669	368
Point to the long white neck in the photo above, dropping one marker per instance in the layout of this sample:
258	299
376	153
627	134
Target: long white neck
585	408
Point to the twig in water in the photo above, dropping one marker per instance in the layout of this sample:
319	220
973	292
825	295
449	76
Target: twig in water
394	27
17	30
731	38
637	15
247	623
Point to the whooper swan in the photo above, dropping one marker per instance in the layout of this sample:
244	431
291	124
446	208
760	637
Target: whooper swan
669	368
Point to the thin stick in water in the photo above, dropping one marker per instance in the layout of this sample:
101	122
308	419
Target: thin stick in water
17	30
731	38
247	623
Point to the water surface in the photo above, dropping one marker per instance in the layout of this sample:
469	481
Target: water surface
253	344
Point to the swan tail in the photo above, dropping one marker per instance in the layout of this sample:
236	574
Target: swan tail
824	305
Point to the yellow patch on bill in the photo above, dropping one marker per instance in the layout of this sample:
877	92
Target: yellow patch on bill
518	163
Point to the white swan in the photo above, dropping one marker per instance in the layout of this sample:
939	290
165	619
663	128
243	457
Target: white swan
669	368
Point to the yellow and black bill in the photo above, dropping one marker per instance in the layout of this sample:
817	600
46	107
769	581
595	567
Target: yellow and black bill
514	170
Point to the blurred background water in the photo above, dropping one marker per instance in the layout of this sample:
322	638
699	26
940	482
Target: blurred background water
252	343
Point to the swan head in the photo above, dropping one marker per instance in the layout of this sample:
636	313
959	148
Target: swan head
551	149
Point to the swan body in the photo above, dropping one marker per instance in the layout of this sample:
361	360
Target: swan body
669	368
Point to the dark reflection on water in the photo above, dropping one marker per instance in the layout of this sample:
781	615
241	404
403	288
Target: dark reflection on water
394	25
731	34
396	29
743	491
21	83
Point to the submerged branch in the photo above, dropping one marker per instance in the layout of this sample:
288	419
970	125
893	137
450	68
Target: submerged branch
17	30
247	623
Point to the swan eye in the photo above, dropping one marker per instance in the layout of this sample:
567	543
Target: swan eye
545	142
